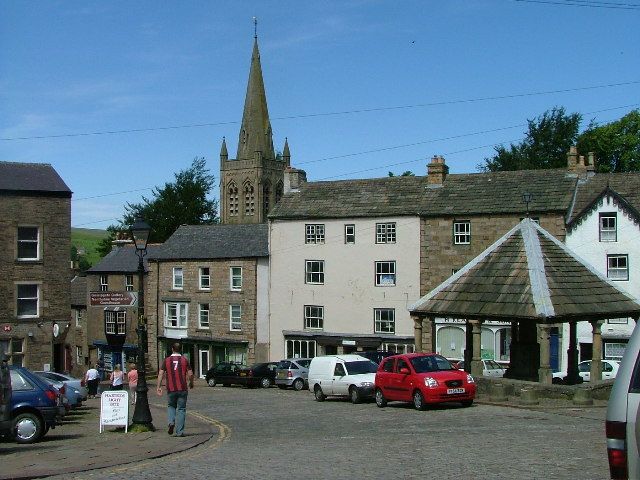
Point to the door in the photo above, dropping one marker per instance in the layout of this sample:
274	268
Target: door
340	381
204	362
402	381
554	350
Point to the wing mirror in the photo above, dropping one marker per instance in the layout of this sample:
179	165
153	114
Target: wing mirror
404	371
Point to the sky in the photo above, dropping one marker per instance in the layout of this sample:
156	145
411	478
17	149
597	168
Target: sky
359	88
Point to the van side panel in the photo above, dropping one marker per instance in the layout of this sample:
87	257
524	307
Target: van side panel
321	373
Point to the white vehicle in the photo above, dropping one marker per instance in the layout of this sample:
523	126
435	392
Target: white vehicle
490	368
343	375
623	415
609	370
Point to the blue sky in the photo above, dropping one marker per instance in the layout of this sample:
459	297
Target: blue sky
71	67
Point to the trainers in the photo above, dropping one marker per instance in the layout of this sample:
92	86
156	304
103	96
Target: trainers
170	431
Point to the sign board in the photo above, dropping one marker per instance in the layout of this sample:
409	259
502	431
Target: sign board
122	299
6	328
114	409
348	342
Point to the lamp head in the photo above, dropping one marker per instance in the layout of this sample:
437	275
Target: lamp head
140	231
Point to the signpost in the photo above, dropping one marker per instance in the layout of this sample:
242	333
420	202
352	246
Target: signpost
122	299
114	409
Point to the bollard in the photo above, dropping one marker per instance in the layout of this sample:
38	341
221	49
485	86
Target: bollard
529	396
582	397
497	393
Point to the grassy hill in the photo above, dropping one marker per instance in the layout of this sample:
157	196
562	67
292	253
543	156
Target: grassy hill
87	239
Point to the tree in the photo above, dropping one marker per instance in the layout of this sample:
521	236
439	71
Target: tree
406	173
184	201
616	145
545	145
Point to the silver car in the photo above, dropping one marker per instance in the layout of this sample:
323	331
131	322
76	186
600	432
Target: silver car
293	372
623	414
75	391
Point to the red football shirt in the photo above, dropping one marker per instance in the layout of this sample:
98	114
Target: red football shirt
176	367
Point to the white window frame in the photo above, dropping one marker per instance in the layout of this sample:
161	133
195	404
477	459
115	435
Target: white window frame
177	278
615	272
11	353
104	283
386	232
79	356
28	299
313	317
314	276
607	232
117	319
350	233
204	280
204	310
28	241
614	350
128	283
461	232
314	233
399	347
235	278
293	348
78	315
379	322
383	275
176	315
235	318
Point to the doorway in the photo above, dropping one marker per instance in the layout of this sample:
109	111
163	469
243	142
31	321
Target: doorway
203	356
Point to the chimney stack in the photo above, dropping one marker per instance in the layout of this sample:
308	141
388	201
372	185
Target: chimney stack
437	171
294	178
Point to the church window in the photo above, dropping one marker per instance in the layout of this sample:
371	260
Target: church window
233	199
249	199
266	194
279	191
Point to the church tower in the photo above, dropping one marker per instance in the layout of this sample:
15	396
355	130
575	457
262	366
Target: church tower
252	183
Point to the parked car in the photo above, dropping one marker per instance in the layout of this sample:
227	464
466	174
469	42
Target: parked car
623	415
73	395
350	375
424	379
293	372
490	368
69	381
35	405
609	370
258	375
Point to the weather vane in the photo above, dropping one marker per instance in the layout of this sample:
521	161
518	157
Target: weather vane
255	27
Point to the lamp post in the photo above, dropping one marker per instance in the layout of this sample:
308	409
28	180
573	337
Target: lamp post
140	231
527	198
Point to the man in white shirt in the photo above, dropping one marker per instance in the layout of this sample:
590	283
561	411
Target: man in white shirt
92	378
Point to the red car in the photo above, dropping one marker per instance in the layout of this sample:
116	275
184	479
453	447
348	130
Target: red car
422	378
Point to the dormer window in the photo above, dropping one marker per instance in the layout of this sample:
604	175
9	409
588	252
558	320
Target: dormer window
608	227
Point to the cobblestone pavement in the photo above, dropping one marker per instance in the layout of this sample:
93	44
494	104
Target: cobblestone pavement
274	434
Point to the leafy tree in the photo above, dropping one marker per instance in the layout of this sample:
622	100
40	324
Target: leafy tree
616	145
407	173
545	145
184	201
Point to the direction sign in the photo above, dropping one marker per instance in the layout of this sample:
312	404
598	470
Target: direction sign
123	299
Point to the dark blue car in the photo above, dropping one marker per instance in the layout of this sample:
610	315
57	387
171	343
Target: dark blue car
35	406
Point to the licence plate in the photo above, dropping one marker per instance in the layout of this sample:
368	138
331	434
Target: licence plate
451	391
242	374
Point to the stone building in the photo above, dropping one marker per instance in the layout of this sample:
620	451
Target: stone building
35	233
77	333
207	289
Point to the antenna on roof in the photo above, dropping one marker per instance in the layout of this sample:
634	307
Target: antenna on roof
255	27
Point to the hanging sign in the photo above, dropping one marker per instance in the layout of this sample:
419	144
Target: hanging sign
114	409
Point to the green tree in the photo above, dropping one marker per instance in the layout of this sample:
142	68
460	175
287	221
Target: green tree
184	201
616	145
406	173
545	145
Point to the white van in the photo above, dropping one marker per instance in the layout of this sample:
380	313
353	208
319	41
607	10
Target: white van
350	375
623	415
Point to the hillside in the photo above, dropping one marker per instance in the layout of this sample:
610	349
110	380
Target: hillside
86	240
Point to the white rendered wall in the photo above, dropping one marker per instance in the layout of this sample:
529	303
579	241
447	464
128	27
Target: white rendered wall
349	294
262	301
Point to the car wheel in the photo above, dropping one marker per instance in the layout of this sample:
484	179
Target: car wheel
265	382
317	391
354	395
282	387
298	384
418	400
380	400
211	382
467	403
28	428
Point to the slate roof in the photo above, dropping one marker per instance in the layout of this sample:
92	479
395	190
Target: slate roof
38	178
528	275
79	291
460	194
626	185
194	242
122	260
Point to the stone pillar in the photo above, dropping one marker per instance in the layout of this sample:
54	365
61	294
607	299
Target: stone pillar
544	371
476	362
432	327
417	332
596	357
468	349
572	355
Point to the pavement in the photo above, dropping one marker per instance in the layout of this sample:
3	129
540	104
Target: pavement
77	446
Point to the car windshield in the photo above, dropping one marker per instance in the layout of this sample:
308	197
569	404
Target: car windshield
362	366
430	363
304	363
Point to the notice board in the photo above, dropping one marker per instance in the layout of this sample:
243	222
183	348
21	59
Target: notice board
114	409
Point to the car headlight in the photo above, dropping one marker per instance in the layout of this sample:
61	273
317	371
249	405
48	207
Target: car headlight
470	379
430	382
365	384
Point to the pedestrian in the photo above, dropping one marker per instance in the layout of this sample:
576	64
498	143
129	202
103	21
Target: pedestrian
132	378
178	372
91	379
116	378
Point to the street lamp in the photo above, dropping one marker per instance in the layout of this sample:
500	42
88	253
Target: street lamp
140	231
527	198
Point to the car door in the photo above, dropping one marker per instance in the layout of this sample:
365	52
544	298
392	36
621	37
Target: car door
339	382
384	377
402	382
584	370
607	370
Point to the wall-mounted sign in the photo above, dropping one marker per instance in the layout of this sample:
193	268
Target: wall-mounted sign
6	328
114	409
348	342
56	330
122	299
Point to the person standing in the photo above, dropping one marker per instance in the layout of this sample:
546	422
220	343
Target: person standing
132	378
91	378
117	377
179	374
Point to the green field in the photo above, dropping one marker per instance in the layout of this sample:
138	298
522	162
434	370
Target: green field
87	239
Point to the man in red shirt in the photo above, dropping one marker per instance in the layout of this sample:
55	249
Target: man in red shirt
178	371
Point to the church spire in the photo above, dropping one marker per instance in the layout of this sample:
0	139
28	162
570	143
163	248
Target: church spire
255	131
224	155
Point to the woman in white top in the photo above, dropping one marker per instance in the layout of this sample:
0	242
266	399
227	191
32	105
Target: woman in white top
116	378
